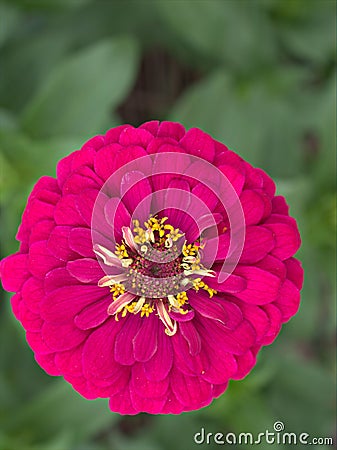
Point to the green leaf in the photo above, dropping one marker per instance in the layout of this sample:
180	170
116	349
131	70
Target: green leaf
258	118
9	20
56	408
79	94
223	31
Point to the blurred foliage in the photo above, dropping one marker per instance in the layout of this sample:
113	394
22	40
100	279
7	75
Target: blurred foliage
258	75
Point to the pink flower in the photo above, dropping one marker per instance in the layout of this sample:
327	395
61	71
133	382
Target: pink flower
153	268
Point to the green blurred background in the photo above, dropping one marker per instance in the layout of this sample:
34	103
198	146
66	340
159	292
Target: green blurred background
258	75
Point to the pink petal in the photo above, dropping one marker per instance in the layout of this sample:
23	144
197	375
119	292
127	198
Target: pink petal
253	206
145	388
85	270
98	351
113	134
150	405
208	196
275	322
171	129
15	304
257	245
190	391
158	367
279	205
94	143
135	136
105	160
232	284
123	350
62	304
245	364
41	231
172	405
136	189
198	143
287	239
117	216
235	176
93	315
223	366
58	278
70	361
294	272
257	318
122	404
85	203
272	265
61	337
41	259
151	126
145	341
66	212
206	306
14	271
58	243
262	287
29	320
184	360
37	343
37	210
80	241
190	333
288	300
47	362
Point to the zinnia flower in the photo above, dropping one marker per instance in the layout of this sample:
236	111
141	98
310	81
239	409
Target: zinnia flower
153	269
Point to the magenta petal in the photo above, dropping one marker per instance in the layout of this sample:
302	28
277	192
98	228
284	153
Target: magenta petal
294	272
47	362
93	315
30	321
41	231
150	405
235	176
262	287
80	241
158	367
37	342
257	245
279	205
253	206
172	405
105	160
41	259
136	190
184	360
223	366
207	306
70	361
15	304
272	265
257	317
151	126
113	134
245	364
85	203
190	333
144	387
232	284
98	351
117	216
123	350
190	391
135	136
61	337
14	271
122	404
275	322
288	300
58	243
58	278
287	239
198	143
64	303
171	129
145	341
86	270
66	212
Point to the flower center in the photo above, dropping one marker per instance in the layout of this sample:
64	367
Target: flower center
157	267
